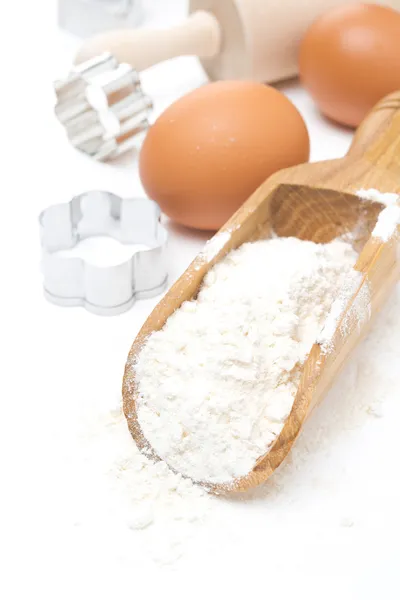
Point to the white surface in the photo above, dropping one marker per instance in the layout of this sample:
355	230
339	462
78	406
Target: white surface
327	530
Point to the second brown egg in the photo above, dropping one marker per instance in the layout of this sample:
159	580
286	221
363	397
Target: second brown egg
350	58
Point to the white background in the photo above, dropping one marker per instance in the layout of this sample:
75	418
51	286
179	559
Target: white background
327	529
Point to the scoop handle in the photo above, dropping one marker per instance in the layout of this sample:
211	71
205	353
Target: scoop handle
377	139
199	35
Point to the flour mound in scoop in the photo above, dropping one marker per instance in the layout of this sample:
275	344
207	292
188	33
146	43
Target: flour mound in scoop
217	383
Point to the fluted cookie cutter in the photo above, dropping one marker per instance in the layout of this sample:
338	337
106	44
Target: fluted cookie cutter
102	107
104	290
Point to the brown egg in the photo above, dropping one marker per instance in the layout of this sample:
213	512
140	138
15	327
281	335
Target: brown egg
207	153
350	58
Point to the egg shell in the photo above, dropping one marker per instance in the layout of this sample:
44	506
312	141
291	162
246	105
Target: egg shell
207	153
350	58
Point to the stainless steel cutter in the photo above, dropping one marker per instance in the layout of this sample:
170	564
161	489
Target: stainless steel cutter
105	290
102	107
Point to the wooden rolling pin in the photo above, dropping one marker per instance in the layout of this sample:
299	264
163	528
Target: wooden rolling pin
234	39
316	202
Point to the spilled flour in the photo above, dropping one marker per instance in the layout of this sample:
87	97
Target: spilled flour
138	495
217	383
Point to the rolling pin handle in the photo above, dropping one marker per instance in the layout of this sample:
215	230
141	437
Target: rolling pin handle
198	35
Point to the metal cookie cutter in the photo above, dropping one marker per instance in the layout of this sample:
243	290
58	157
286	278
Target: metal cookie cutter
104	290
102	107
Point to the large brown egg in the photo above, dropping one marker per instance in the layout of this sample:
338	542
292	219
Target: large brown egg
350	58
207	153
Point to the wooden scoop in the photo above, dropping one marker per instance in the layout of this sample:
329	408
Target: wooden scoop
312	202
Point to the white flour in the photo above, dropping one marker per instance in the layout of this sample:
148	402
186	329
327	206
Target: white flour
218	382
389	218
359	312
215	244
373	195
388	221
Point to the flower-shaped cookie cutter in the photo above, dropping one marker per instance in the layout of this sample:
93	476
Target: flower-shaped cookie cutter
102	107
104	290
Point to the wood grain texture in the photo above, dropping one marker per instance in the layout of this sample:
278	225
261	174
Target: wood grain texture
313	202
